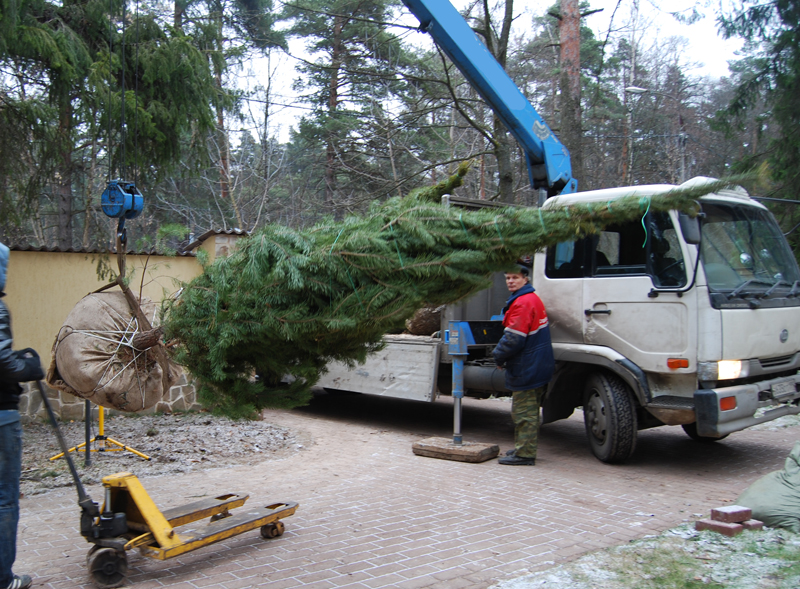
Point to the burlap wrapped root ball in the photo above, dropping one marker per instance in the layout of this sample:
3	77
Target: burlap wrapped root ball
94	356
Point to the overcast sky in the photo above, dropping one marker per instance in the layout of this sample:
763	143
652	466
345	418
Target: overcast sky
707	50
706	46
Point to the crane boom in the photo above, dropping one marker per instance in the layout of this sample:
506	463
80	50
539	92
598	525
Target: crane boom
548	160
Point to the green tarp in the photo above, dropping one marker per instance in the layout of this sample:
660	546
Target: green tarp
775	498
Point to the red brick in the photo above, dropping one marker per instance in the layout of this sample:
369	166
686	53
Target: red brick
753	524
728	529
732	514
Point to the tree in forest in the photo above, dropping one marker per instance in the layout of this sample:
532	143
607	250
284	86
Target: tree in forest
455	121
768	83
76	73
570	83
228	32
565	60
347	81
497	40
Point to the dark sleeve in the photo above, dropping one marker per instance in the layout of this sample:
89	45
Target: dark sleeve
13	368
510	344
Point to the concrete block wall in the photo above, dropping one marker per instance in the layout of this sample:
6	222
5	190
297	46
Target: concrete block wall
181	397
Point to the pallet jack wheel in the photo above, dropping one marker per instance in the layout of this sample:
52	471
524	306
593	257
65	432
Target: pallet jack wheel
107	567
89	554
218	516
272	530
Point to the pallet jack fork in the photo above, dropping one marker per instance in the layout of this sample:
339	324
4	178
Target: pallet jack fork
130	519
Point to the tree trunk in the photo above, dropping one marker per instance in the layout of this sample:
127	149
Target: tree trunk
498	46
144	340
505	169
570	40
89	194
224	162
333	102
222	140
64	181
177	14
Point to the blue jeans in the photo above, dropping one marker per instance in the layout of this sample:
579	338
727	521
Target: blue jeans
10	466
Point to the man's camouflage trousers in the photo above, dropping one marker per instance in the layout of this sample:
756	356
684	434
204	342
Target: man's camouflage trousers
525	414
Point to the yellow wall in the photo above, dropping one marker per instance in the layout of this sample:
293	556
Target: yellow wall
43	287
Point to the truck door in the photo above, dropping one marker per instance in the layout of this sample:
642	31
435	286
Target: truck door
558	276
621	309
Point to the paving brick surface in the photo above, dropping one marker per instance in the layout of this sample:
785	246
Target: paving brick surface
373	515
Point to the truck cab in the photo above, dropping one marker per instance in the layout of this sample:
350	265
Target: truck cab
659	322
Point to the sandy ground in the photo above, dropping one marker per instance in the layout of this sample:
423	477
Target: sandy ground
179	443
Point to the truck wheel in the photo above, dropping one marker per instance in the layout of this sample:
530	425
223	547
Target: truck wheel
609	413
691	431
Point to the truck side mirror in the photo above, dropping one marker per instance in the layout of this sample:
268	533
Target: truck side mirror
690	228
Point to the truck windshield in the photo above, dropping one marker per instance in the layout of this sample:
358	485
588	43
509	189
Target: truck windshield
745	253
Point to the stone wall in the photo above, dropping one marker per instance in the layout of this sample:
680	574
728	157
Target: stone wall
181	397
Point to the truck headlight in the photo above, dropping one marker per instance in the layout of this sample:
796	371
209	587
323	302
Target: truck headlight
723	370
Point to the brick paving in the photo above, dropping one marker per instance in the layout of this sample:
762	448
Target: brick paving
374	515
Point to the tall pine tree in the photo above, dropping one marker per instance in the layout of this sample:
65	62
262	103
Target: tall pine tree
771	83
346	81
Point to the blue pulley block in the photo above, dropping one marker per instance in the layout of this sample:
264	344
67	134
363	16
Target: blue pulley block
122	200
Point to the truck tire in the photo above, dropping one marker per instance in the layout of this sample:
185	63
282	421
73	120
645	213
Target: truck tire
609	414
691	431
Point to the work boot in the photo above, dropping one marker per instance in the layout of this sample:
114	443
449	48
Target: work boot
515	460
511	452
20	582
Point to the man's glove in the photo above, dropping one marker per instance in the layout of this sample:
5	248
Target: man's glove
33	367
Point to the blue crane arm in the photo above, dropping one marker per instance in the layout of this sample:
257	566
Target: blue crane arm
548	159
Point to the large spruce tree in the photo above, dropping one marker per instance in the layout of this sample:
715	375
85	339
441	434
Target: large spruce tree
287	302
769	87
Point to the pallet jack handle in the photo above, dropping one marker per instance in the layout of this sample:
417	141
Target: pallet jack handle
88	506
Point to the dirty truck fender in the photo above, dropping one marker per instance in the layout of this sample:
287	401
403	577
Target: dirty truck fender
602	357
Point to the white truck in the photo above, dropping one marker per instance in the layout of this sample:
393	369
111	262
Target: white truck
667	321
664	321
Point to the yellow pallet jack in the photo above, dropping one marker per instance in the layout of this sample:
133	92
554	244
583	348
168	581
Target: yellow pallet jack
129	519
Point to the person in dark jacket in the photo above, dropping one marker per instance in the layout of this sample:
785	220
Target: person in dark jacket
526	353
15	367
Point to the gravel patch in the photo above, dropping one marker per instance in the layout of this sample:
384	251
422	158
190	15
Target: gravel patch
680	558
777	424
177	443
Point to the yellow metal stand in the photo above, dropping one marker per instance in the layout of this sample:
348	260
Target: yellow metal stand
102	442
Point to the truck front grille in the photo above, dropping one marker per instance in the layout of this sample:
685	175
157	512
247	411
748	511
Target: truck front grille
773	363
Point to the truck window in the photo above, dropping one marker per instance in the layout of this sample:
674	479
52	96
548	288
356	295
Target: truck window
566	260
743	243
626	250
665	257
619	251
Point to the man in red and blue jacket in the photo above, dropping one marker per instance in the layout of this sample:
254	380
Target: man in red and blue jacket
526	353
